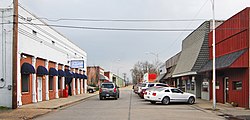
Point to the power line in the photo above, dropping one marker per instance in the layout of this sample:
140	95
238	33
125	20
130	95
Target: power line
191	22
119	20
111	29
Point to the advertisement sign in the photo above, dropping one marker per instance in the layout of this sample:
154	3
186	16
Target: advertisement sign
77	64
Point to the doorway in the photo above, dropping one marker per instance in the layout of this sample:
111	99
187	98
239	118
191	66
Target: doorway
226	90
39	89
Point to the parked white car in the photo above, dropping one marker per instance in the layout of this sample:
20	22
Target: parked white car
144	86
165	95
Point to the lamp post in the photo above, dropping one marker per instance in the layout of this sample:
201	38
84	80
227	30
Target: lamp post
155	54
111	66
157	58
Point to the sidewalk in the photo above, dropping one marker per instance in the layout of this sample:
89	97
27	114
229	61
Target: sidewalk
37	109
225	110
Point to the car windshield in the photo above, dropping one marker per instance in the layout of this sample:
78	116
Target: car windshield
143	85
160	89
151	88
107	85
150	85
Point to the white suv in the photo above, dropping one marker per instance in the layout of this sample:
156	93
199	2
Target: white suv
144	86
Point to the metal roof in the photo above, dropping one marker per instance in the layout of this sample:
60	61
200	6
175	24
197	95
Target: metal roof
195	51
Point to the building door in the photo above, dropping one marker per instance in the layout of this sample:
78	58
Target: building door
39	89
226	89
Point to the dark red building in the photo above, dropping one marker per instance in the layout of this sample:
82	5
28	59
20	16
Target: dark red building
232	60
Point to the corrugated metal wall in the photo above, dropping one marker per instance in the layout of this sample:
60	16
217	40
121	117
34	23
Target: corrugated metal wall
232	36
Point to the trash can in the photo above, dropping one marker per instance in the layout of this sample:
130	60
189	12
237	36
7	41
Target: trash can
65	92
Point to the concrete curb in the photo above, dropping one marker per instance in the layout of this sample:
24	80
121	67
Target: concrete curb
62	106
73	102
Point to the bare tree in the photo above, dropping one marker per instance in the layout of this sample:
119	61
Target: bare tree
140	68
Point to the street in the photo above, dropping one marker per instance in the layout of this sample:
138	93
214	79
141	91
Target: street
128	107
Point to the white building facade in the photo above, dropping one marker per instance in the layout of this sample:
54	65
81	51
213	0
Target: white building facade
44	59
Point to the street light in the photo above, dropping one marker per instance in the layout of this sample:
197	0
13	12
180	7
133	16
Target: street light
155	54
111	66
157	58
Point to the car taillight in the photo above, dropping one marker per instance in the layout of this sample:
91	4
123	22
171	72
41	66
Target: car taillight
100	90
143	91
154	94
114	89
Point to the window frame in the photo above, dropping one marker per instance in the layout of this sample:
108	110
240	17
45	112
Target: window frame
235	83
51	86
28	83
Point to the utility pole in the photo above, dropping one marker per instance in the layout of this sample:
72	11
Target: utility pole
14	59
214	68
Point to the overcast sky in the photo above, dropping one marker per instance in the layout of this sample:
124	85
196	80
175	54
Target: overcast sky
122	49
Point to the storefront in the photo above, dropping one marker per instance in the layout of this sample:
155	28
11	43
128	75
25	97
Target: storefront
232	60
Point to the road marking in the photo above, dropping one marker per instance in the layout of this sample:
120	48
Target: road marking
129	110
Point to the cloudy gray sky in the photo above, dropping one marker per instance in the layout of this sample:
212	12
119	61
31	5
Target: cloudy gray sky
122	49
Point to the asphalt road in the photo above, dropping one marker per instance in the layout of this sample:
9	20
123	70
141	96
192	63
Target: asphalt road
128	107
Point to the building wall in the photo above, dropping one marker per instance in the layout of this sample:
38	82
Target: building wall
234	34
27	96
5	57
52	92
93	74
38	41
60	91
237	96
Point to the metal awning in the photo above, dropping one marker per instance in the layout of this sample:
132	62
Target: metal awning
222	61
160	77
102	77
170	72
27	68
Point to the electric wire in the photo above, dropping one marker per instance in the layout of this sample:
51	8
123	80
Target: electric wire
118	20
179	36
59	42
112	29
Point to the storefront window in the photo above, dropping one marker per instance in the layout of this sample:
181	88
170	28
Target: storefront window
237	85
188	85
205	85
25	82
192	85
59	82
217	85
51	79
76	83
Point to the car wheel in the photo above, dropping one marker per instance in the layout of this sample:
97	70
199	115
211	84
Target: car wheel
153	102
90	91
165	100
142	97
191	100
101	98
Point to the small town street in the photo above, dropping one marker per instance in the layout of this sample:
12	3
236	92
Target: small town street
128	107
